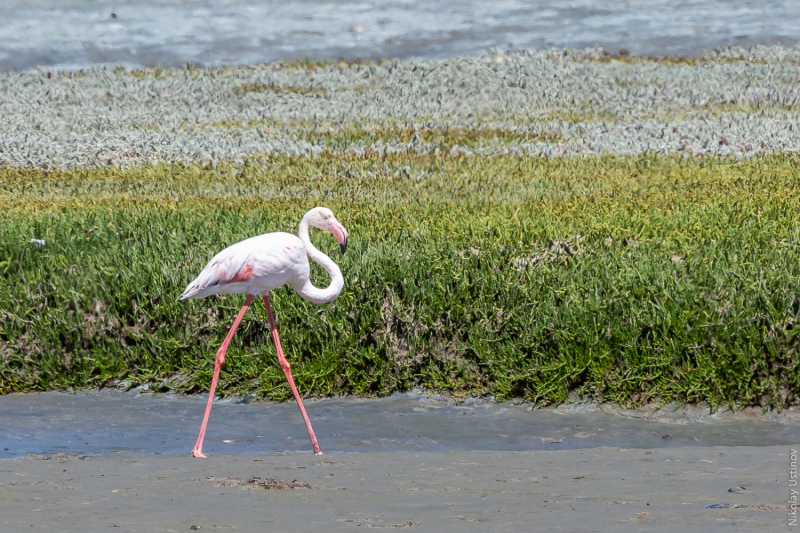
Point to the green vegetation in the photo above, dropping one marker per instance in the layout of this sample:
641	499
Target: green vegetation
263	87
443	138
193	71
677	61
625	279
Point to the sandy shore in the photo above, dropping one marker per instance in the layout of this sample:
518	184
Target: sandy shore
602	489
414	461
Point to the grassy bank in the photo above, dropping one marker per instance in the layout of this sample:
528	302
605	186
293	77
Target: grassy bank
627	279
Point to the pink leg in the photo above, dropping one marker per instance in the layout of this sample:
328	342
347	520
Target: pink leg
220	358
287	371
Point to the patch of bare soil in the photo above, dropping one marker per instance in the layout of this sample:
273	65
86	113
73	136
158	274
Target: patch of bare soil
256	482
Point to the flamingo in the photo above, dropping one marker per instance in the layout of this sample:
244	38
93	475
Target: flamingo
254	267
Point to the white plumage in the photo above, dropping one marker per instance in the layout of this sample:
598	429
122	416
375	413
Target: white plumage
260	264
253	266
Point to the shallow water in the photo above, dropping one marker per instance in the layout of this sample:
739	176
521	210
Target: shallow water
104	422
74	34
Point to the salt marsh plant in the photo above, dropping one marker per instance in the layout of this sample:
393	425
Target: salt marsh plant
625	279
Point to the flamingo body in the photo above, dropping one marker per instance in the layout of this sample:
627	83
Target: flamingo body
254	266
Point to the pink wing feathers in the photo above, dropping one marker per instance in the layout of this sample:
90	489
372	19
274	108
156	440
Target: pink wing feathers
252	260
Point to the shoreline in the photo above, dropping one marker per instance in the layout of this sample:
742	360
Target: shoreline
100	425
653	410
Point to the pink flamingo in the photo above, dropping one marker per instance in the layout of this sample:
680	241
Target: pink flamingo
254	267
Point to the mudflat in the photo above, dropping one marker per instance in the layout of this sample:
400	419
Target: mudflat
119	461
599	489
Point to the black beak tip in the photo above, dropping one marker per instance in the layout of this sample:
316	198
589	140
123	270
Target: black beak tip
343	246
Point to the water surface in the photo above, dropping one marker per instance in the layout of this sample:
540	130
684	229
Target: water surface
74	34
104	422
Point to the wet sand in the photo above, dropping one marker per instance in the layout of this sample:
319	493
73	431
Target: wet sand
112	461
601	489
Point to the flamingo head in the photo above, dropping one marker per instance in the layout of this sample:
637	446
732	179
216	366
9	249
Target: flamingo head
322	218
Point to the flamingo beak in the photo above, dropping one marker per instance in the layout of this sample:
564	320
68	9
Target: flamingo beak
339	232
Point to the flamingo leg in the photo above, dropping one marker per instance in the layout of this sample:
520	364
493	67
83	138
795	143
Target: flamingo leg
197	451
287	371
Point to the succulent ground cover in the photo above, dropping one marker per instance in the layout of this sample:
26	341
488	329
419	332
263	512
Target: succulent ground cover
527	225
624	278
732	102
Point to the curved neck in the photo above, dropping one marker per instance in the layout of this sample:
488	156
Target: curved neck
309	291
